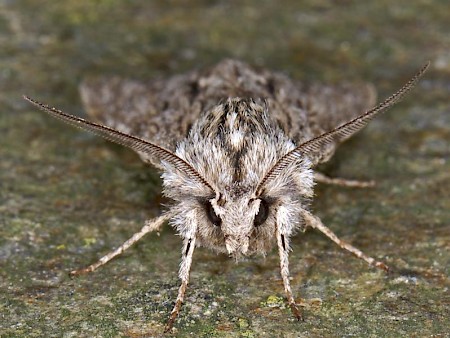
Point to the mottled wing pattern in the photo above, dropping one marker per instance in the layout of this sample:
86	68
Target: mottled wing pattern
305	111
160	111
163	111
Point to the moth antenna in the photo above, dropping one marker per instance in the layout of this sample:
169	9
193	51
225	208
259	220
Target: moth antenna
340	133
126	140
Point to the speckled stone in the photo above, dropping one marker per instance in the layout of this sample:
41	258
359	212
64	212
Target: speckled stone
67	197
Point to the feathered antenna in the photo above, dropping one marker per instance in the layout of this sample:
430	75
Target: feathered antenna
340	133
126	140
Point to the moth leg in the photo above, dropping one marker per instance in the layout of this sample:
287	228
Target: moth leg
316	223
319	177
185	267
150	225
283	250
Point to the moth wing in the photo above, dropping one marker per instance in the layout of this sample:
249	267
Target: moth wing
305	111
330	106
160	111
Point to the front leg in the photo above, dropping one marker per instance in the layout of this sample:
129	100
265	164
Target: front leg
185	268
283	251
284	266
189	235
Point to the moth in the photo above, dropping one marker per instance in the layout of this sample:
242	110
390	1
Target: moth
237	148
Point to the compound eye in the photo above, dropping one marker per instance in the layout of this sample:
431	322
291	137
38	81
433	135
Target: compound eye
212	216
262	214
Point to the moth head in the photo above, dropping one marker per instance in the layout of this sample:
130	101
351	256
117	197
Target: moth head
233	217
236	219
245	223
239	223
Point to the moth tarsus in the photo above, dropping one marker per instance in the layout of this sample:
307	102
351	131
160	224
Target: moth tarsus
236	154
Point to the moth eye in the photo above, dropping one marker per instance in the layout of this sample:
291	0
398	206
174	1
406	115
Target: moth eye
212	216
262	214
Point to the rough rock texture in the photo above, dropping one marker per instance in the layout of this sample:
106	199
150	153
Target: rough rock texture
67	197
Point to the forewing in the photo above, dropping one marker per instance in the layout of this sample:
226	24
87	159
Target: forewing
160	111
305	111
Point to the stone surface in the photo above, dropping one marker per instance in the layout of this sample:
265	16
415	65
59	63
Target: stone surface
67	197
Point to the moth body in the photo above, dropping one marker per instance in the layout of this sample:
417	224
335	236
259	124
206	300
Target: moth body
236	147
233	146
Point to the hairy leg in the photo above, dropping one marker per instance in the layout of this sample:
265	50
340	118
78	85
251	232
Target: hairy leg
316	223
150	225
319	177
283	250
185	268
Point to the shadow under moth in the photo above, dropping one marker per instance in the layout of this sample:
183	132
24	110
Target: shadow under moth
236	147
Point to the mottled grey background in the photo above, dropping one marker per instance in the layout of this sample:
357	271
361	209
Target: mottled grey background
67	197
